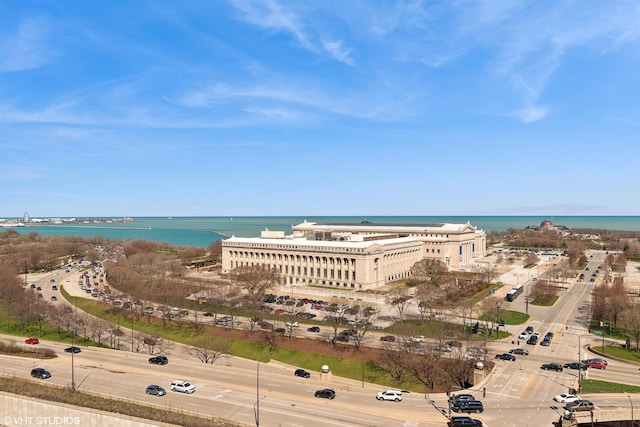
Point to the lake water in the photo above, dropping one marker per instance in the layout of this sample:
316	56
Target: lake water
202	231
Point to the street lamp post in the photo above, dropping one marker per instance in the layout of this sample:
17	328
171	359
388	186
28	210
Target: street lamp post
579	356
257	405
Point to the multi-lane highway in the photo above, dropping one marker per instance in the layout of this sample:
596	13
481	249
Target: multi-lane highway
515	393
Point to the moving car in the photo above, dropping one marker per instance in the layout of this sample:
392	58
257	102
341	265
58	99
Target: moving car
40	373
576	365
596	359
302	373
552	367
506	356
464	422
596	364
520	351
388	338
566	398
72	349
156	390
394	395
577	406
461	397
325	393
182	386
32	341
158	360
313	329
468	406
418	338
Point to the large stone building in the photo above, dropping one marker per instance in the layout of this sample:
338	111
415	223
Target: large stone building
354	256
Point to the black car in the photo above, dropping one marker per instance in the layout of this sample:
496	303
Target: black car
552	367
302	373
72	349
388	338
506	356
325	393
461	397
468	406
576	365
529	329
313	329
533	340
280	331
156	390
520	351
158	360
463	422
40	373
545	342
208	314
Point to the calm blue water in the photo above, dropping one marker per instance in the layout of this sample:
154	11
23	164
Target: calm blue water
202	231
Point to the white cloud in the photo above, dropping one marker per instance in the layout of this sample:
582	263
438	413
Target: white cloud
27	48
339	52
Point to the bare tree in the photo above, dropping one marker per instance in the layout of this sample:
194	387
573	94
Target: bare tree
209	349
399	298
255	280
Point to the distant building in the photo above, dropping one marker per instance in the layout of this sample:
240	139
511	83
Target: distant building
354	256
547	225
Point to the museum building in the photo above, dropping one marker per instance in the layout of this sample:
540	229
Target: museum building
357	256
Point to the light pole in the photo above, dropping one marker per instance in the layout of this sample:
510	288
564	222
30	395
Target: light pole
256	408
579	356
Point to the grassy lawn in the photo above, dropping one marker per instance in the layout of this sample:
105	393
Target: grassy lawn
623	353
509	317
545	303
596	386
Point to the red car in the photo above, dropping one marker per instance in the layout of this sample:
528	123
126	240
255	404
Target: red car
32	341
596	364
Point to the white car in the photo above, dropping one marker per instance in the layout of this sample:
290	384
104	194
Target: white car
523	336
566	398
182	386
292	324
418	338
394	395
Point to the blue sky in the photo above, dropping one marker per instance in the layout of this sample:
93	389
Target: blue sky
207	108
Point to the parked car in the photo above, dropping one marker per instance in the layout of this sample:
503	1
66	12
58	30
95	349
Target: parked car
40	373
54	298
533	340
325	393
72	349
523	336
32	341
468	406
520	351
552	367
464	422
302	373
576	365
506	356
388	338
529	330
313	329
158	360
394	395
566	398
182	386
156	390
545	342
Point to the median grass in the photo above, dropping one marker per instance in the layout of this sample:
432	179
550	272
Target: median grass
597	386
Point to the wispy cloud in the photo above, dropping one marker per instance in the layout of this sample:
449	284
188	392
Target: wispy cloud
27	47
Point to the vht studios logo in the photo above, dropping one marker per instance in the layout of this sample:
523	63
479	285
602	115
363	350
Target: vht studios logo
40	421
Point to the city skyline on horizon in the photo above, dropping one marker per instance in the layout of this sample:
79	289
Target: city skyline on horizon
281	108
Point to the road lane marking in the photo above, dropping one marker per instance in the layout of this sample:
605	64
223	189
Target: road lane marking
528	385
